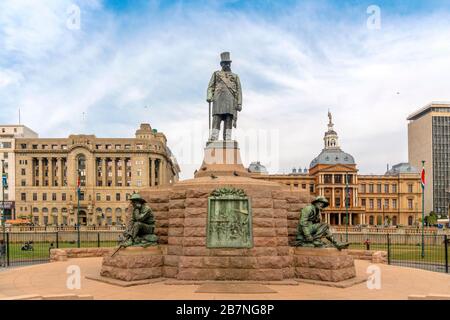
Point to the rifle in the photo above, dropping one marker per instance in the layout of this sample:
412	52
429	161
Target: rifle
120	247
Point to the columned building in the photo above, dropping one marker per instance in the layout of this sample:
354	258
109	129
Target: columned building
8	136
390	199
108	171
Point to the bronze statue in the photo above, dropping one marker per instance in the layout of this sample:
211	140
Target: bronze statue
141	228
311	230
224	91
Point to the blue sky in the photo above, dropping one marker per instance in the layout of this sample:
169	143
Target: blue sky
150	61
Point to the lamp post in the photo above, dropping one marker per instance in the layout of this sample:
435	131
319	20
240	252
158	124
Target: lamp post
3	200
423	209
346	206
78	208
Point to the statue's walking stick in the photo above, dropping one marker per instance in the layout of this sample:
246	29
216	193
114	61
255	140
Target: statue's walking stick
209	117
120	247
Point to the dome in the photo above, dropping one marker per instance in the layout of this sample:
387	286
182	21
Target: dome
332	156
402	168
257	167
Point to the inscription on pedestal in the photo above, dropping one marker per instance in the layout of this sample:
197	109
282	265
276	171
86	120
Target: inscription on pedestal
229	219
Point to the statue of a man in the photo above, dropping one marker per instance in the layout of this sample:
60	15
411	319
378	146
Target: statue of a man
141	228
225	93
311	230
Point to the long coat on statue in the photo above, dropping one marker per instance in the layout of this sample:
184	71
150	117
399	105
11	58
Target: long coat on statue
225	91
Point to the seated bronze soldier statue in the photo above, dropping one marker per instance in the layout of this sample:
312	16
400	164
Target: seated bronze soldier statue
141	227
311	230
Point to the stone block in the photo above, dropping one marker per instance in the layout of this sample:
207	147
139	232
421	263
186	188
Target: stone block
176	222
194	242
280	204
264	232
176	231
262	203
196	212
194	193
195	231
190	262
171	261
216	262
262	213
196	203
264	241
176	204
267	262
195	222
170	272
176	195
263	223
243	262
175	213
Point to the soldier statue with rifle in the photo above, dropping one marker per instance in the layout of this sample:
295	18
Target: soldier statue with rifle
140	230
225	94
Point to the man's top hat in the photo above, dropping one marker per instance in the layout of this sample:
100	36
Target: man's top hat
225	57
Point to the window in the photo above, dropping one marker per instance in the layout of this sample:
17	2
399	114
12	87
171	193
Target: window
363	188
108	197
23	172
63	197
81	196
386	203
370	188
128	146
23	196
98	197
44	197
371	203
378	203
23	183
139	173
139	183
386	188
327	178
379	188
394	188
53	196
117	146
394	203
410	221
371	220
117	196
23	145
337	202
410	188
35	146
410	204
34	196
337	178
363	202
311	187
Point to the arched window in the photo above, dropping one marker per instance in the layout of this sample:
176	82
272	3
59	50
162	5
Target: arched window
64	211
118	212
35	211
394	220
81	169
371	220
379	220
54	212
108	212
410	221
45	211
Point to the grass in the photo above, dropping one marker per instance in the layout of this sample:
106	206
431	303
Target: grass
41	250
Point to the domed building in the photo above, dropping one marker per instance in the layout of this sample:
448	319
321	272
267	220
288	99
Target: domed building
393	198
335	175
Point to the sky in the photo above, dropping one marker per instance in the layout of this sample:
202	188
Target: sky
103	67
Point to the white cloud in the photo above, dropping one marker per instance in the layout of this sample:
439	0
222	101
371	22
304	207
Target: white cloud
291	70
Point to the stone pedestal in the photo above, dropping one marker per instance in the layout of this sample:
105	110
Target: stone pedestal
134	263
222	158
324	264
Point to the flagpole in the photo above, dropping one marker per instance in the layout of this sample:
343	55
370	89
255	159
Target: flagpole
423	209
78	208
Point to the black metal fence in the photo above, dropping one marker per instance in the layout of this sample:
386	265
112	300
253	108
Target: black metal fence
22	248
405	249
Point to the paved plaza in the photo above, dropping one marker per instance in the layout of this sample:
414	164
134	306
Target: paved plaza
51	278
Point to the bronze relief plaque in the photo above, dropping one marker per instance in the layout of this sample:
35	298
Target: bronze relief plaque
229	219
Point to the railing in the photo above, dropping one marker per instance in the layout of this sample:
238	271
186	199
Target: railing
22	248
62	228
405	249
409	230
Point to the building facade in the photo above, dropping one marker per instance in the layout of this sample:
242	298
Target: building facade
8	136
390	199
107	170
429	140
